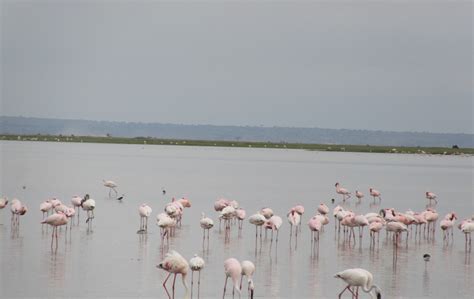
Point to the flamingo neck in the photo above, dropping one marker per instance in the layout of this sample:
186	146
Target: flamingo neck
369	290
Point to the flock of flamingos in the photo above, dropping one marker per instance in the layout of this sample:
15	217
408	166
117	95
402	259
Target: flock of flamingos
57	214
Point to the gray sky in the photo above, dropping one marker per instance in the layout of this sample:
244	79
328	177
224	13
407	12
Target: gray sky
380	65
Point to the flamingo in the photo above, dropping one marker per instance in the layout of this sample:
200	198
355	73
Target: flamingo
166	223
431	196
174	263
3	203
76	202
323	209
274	224
18	209
300	210
375	228
397	228
88	205
227	214
361	221
344	192
266	212
447	224
359	278
359	195
294	219
206	223
315	226
248	269
240	214
196	264
70	212
55	220
232	269
45	207
257	220
144	211
375	193
111	185
467	228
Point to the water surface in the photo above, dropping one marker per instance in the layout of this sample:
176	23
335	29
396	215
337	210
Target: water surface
114	261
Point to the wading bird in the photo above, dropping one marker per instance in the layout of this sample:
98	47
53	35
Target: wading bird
174	263
344	192
232	269
356	278
431	196
375	193
55	220
248	269
144	211
196	264
111	185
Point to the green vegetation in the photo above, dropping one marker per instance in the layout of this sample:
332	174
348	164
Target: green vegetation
303	146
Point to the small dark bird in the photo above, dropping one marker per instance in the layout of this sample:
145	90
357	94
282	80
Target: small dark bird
24	187
164	191
121	197
426	257
332	200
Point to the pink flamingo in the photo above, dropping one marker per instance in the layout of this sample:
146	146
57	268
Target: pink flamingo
76	202
294	219
323	209
432	217
206	223
266	212
111	185
397	228
240	214
375	193
248	269
349	222
359	195
18	209
356	278
166	224
232	269
431	196
55	220
219	205
174	263
300	210
447	224
3	203
344	192
274	224
467	228
375	228
257	220
45	207
315	226
144	211
196	264
361	221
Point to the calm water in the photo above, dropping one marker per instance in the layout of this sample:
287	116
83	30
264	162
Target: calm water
114	261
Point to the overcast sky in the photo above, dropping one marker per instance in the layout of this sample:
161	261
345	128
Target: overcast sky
380	65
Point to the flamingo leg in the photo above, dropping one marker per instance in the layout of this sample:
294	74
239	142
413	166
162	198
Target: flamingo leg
225	285
164	285
174	282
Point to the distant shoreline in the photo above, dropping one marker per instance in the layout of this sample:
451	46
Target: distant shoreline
242	144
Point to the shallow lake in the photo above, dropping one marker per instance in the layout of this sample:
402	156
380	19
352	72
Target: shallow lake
113	260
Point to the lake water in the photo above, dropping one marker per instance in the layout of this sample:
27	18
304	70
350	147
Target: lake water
114	261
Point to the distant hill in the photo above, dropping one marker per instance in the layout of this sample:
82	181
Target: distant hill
29	125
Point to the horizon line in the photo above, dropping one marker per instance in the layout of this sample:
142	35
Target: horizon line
238	126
